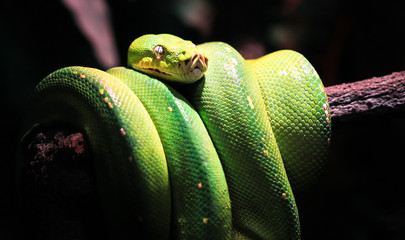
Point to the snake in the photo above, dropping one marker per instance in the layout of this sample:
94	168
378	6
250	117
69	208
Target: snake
194	141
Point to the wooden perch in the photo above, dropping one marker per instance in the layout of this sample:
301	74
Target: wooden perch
348	102
371	97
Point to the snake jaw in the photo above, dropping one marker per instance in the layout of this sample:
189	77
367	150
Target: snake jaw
187	71
195	66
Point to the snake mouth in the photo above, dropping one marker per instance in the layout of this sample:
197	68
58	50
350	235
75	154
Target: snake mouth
156	71
195	66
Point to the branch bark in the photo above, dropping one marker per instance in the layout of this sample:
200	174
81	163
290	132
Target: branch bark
376	96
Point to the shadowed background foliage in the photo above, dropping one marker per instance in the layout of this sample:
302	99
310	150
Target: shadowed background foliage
360	194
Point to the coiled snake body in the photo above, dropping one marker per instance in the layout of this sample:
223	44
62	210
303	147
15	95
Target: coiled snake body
203	160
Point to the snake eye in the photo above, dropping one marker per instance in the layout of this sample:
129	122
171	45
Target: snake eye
159	51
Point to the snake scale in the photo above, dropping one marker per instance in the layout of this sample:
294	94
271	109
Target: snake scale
195	142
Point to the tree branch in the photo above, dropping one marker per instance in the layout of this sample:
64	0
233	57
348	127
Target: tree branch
371	97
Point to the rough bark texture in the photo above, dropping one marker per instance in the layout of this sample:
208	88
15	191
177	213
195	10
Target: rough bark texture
374	96
58	187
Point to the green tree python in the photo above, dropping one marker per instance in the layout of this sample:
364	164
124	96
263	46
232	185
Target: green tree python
195	142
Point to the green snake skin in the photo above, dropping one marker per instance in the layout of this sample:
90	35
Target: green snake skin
218	158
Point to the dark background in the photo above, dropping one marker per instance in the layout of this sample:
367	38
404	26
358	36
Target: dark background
361	192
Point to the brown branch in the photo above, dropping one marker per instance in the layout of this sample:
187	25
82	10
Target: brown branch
371	97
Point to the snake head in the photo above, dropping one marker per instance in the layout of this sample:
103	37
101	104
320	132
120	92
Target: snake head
167	57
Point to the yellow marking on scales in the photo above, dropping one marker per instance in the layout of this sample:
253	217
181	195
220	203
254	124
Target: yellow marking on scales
250	102
170	109
325	107
284	195
266	152
107	100
122	131
205	220
82	75
146	62
101	91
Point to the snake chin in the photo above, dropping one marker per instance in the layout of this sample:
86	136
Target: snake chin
196	71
